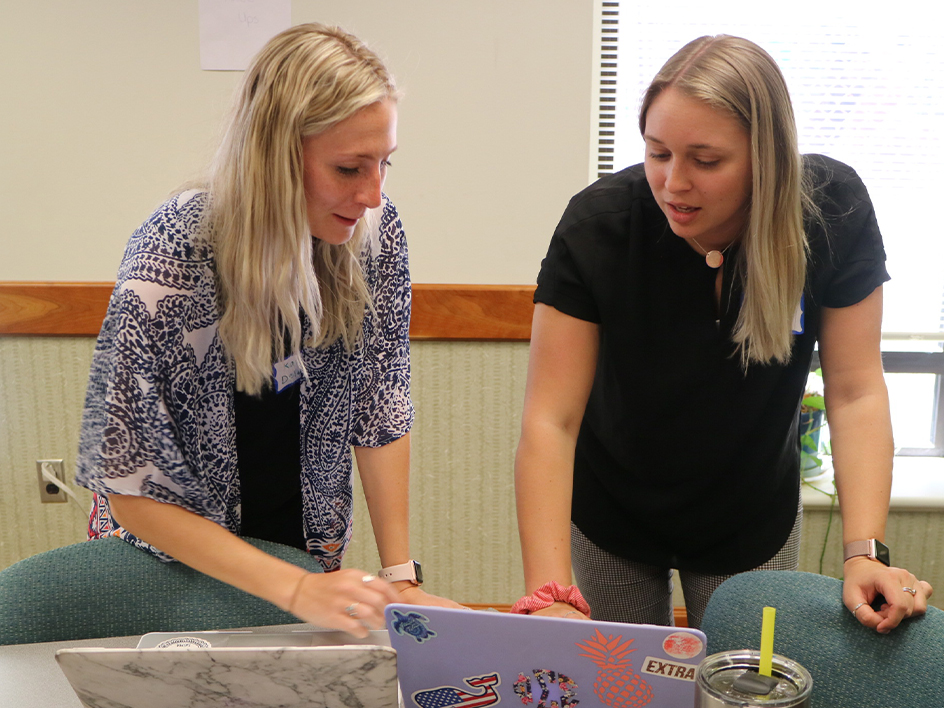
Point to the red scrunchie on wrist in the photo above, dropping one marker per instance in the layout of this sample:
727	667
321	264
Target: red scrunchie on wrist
547	595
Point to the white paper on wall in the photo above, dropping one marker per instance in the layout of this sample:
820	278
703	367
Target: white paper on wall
232	31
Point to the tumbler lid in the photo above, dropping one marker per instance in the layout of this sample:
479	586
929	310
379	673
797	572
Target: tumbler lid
732	679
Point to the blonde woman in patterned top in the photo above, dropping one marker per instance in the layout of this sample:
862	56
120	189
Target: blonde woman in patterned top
257	332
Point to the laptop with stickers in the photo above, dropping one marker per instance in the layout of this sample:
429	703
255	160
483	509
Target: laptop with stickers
472	659
250	669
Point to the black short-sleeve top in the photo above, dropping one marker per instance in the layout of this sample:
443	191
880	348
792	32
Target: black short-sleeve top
683	458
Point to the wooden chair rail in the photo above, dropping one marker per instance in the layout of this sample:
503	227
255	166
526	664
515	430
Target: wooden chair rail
447	312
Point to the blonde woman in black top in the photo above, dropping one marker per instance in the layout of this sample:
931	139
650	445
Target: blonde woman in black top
677	312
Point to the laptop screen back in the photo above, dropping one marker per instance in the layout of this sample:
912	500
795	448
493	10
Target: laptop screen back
471	659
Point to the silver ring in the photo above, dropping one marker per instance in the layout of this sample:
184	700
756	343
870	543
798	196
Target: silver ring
911	590
857	607
352	609
572	612
369	578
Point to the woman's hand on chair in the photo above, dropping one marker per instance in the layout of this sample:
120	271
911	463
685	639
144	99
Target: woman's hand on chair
904	595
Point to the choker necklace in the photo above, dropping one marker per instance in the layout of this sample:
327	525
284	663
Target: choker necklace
713	258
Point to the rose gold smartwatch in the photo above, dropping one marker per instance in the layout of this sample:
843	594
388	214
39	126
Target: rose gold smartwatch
411	570
871	548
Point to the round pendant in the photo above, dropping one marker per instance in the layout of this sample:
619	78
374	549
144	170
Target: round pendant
714	259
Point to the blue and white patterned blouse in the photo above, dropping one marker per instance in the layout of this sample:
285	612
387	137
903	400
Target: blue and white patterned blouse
159	420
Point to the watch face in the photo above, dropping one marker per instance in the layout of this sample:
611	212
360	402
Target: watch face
419	571
881	553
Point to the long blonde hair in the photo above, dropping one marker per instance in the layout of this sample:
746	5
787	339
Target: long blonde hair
736	76
270	268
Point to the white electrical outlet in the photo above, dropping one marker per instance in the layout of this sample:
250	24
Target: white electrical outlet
49	493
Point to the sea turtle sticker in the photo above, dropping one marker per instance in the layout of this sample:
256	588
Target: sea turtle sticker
412	624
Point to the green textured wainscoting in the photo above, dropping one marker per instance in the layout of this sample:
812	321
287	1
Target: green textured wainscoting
468	398
42	388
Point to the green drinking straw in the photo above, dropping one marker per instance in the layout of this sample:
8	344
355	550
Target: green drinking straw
767	641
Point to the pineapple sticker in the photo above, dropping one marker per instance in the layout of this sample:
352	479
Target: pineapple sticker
616	685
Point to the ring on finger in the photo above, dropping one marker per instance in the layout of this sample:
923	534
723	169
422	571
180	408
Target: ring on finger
912	591
856	609
352	609
369	578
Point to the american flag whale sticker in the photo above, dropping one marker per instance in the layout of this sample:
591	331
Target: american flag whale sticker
450	697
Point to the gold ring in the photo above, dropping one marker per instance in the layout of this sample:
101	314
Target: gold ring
857	607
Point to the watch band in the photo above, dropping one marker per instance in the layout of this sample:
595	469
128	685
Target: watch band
870	547
411	571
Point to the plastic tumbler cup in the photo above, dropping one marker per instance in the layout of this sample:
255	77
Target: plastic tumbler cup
730	679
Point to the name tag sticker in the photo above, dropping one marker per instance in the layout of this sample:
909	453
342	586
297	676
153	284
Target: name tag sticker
799	315
287	372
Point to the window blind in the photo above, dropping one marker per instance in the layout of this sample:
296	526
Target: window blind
867	89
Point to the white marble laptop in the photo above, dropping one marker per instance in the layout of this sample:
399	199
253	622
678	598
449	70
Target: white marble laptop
263	637
228	669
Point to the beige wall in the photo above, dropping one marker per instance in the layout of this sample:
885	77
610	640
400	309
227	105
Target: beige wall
105	110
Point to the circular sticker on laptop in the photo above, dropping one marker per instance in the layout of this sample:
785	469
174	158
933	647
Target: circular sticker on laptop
682	645
184	643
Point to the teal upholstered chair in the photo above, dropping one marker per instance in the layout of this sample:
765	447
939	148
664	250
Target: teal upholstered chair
109	588
852	667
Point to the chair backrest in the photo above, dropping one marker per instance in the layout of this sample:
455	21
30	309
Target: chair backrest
852	666
109	588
